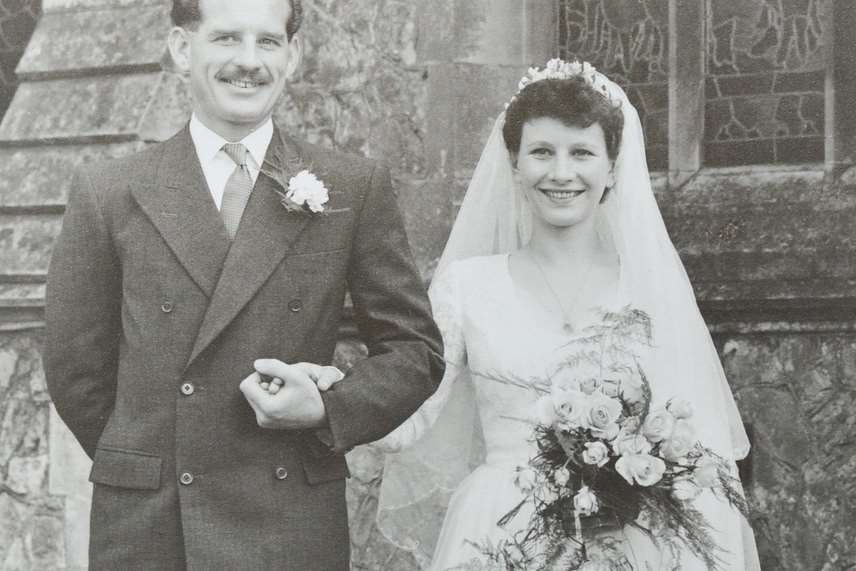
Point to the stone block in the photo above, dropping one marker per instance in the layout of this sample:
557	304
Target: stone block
26	475
492	32
108	106
127	36
463	103
26	243
41	176
428	210
798	391
169	110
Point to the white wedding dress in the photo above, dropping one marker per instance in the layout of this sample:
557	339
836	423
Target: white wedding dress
492	330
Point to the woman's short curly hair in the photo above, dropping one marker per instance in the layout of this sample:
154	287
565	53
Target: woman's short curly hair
187	14
572	101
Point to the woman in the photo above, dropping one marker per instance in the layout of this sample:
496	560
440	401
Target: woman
559	224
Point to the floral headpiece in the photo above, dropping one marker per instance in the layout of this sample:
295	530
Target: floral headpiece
559	69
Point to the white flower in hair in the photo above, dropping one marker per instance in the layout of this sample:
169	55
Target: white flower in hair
559	69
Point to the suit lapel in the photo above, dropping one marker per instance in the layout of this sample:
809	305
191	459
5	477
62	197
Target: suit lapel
266	233
179	205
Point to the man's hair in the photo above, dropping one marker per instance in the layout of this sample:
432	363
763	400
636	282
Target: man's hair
187	14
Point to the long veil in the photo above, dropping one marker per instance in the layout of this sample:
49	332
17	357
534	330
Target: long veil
494	219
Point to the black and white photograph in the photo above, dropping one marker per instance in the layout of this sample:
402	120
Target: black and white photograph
427	285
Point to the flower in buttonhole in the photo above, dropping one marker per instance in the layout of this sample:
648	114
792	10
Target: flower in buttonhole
658	425
306	190
525	478
562	476
680	408
642	469
679	443
685	489
706	473
596	454
586	502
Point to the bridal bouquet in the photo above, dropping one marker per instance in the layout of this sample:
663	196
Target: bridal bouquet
607	458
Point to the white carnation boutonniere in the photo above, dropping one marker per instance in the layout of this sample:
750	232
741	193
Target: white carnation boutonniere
305	193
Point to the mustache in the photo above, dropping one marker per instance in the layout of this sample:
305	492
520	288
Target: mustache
242	75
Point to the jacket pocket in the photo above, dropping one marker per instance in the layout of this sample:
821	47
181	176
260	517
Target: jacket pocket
126	469
325	469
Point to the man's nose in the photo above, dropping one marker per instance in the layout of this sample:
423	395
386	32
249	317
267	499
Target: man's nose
248	55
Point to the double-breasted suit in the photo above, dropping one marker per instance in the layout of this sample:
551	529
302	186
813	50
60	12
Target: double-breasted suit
154	317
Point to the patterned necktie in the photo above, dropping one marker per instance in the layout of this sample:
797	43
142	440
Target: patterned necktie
238	189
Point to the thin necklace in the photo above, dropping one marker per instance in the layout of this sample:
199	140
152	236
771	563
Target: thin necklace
567	324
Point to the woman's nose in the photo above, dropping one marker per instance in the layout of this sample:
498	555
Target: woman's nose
563	169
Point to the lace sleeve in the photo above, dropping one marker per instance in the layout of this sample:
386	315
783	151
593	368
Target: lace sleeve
445	305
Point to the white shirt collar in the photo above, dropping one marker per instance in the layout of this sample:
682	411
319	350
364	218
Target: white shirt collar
208	143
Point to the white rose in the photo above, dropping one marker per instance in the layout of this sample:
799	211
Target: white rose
525	478
680	408
585	502
561	476
589	385
679	443
571	408
609	432
631	443
658	425
596	453
642	469
548	493
603	411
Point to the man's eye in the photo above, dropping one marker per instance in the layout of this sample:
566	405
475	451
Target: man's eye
270	43
582	153
226	39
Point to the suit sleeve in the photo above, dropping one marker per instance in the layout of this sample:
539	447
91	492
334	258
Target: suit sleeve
391	308
83	304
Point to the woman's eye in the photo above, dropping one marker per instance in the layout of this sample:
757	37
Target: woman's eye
582	153
542	152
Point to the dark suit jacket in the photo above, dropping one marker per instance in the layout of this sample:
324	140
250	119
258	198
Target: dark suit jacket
154	318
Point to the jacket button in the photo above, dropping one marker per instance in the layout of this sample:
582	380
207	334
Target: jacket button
186	478
167	307
295	305
281	473
187	389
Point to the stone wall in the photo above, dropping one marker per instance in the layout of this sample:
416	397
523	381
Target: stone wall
417	83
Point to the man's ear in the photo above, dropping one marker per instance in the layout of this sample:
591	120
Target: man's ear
295	55
178	42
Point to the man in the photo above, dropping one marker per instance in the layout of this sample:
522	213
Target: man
179	270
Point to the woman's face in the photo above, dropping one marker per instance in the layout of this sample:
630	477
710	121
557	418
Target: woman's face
562	170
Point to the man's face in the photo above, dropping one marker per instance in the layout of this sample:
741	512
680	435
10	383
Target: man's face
238	59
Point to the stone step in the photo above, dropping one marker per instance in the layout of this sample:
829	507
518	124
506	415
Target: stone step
117	38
